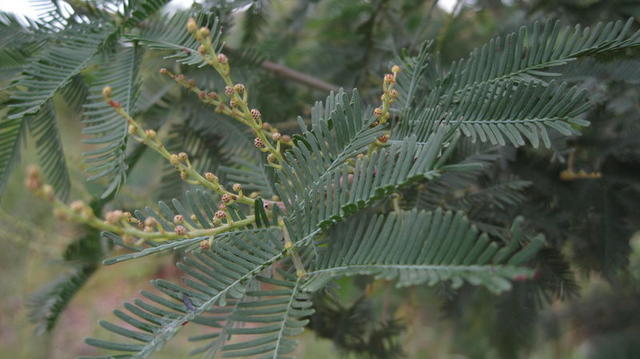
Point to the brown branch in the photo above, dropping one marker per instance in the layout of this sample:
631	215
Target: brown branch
291	74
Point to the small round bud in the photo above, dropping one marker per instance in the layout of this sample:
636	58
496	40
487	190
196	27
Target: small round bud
180	77
266	126
271	158
256	114
288	245
178	218
174	159
182	156
228	90
204	32
150	133
164	71
395	69
220	215
226	198
254	195
114	104
222	58
204	244
276	136
132	129
233	103
237	187
148	229
202	50
114	217
77	206
258	142
393	93
360	155
212	95
384	138
180	230
150	222
222	207
389	78
202	95
107	91
191	84
377	112
286	139
211	177
194	218
59	214
191	25
239	88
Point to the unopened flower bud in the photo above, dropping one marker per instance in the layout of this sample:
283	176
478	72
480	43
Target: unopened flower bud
226	198
114	104
114	217
395	69
204	32
150	222
233	103
237	187
256	115
107	91
77	206
258	142
384	138
174	159
202	50
271	158
47	192
202	95
180	230
132	129
377	112
148	229
285	139
212	95
239	88
228	90
222	58
194	218
150	133
182	156
204	244
393	93
211	177
191	25
164	71
178	218
276	136
389	78
222	207
220	215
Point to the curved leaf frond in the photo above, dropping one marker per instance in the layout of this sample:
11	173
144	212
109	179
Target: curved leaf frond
422	247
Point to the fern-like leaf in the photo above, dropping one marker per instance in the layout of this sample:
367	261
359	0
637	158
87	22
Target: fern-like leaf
216	276
416	247
105	128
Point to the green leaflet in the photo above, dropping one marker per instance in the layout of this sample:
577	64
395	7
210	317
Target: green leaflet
216	277
417	247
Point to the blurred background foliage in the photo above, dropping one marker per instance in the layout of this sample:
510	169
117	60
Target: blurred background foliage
585	300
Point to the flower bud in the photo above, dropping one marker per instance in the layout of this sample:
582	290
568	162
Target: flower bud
222	58
271	158
202	50
276	136
164	71
389	78
212	95
239	88
384	138
285	139
174	159
204	244
258	142
228	90
222	207
393	94
180	77
211	177
266	126
226	198
150	222
220	215
114	217
182	156
47	192
191	25
194	218
237	187
395	69
114	104
204	32
178	218
77	206
180	230
132	129
150	133
256	114
377	112
233	103
148	229
107	92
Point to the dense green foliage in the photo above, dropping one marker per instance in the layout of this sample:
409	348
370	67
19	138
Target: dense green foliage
481	183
